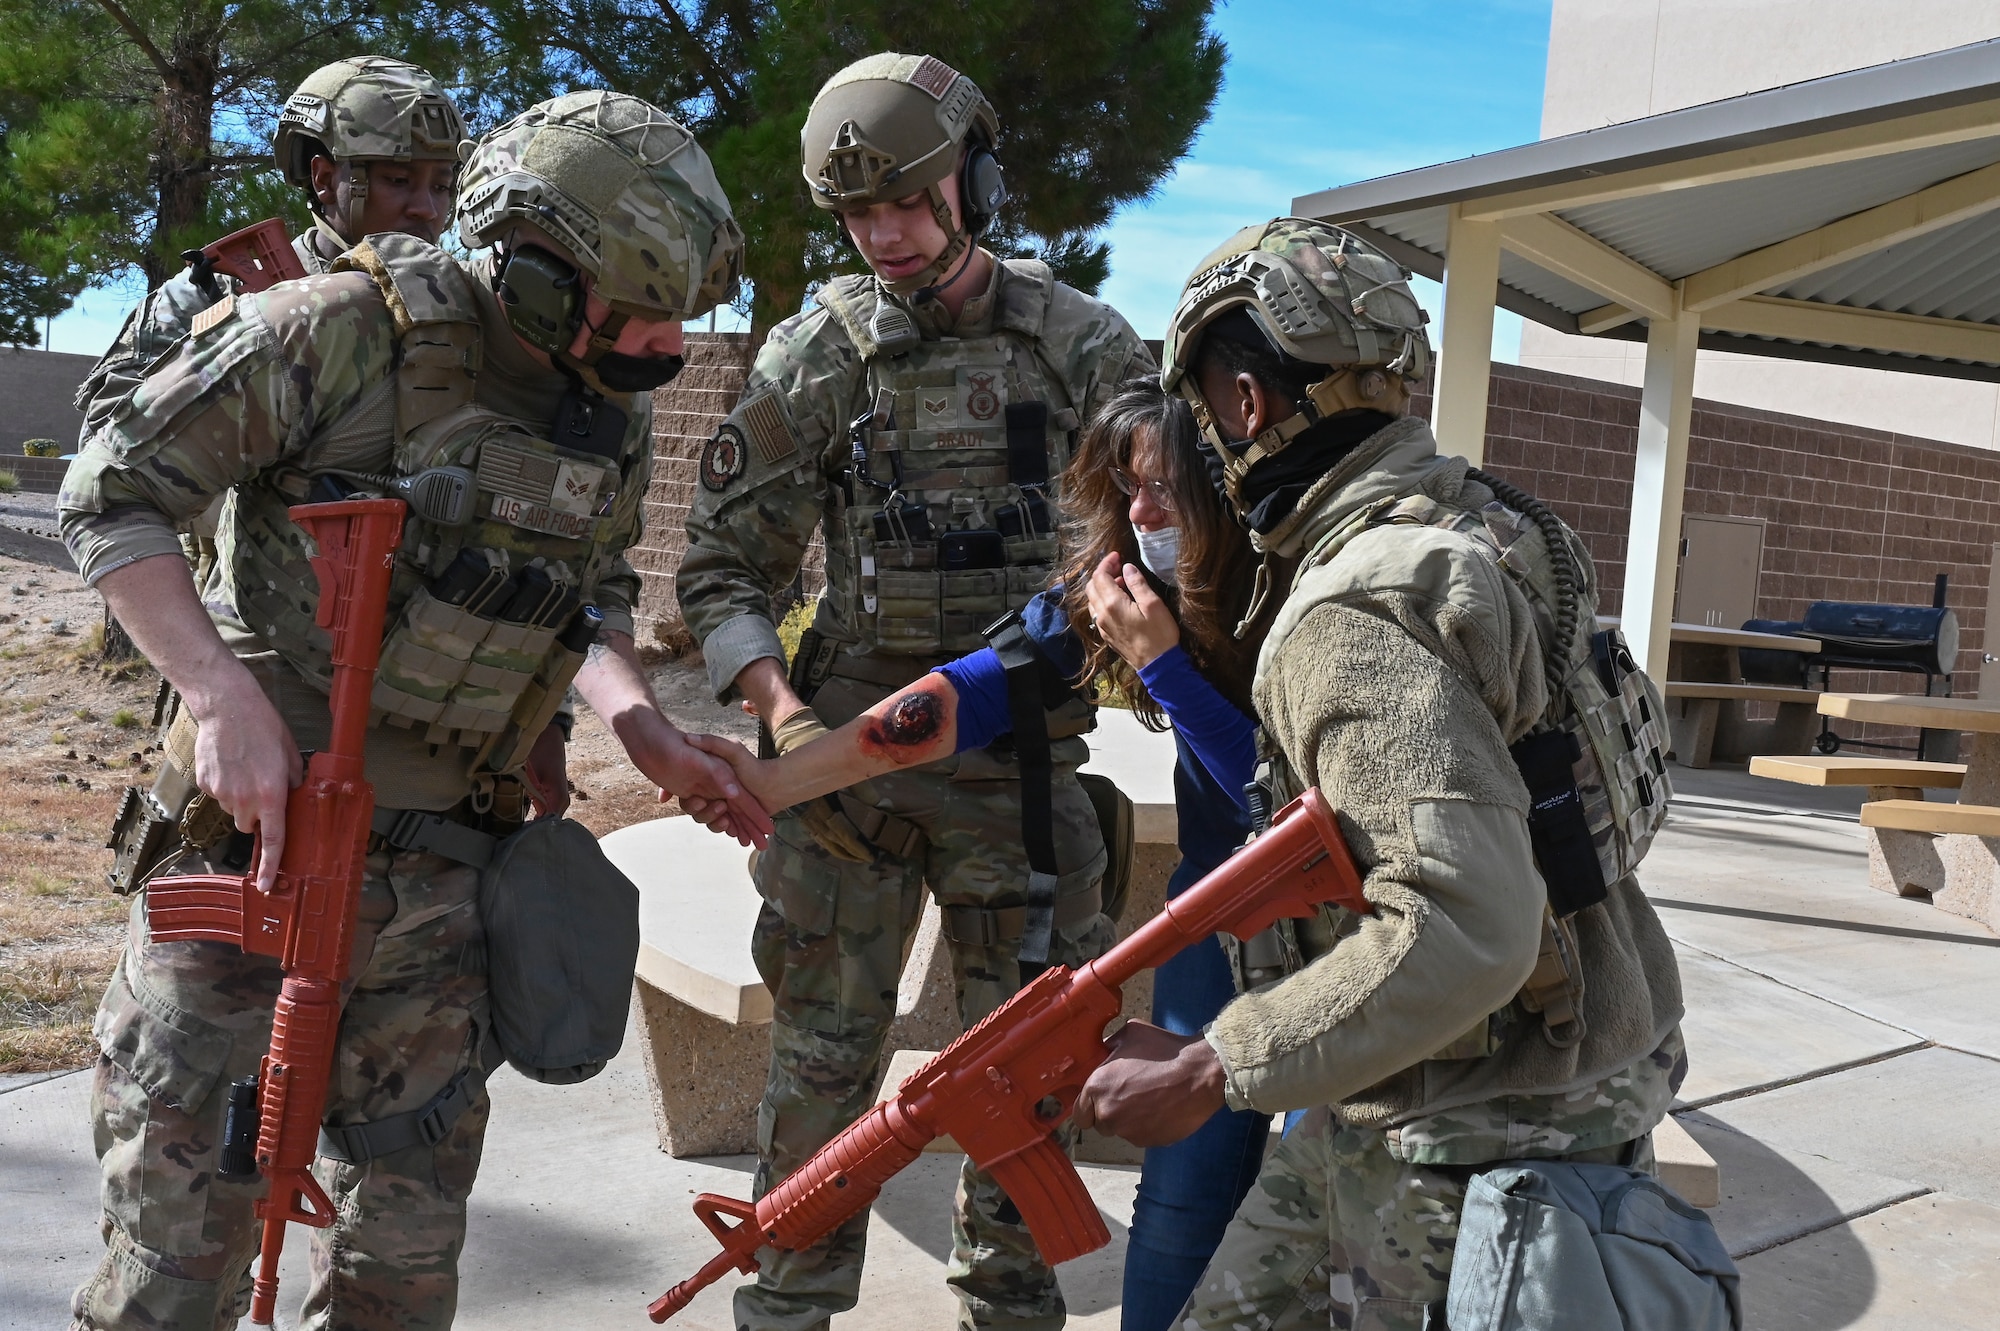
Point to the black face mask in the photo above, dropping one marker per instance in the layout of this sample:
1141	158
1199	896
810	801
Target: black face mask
620	373
1274	486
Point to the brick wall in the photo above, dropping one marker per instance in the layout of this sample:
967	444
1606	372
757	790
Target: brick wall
1851	514
36	475
685	414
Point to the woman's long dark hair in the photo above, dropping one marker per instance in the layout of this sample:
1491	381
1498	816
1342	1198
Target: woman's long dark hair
1215	567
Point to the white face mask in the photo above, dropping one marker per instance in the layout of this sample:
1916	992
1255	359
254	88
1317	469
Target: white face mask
1159	550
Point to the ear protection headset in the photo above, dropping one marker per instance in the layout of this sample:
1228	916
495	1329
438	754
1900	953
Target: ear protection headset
982	193
982	188
543	294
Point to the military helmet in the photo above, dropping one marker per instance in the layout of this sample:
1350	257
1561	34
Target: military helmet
623	187
366	109
890	125
1319	295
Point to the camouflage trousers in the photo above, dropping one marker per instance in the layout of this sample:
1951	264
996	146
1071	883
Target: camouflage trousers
1342	1230
830	944
180	1021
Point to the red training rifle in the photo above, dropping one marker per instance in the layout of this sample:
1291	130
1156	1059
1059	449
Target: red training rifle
1003	1088
307	919
258	256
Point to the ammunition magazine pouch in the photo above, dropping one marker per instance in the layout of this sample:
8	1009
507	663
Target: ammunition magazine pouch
426	1125
562	940
898	837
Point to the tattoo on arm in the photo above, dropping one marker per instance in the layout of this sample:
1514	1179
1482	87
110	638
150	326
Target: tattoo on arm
595	653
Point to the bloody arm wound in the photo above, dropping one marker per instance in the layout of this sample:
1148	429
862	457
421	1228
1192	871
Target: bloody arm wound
915	725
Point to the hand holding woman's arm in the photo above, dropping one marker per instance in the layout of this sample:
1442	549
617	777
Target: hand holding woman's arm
1129	614
917	724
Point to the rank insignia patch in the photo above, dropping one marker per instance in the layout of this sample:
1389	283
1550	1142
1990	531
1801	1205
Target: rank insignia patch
723	460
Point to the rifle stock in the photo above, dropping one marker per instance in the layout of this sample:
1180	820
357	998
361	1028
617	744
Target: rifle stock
1003	1088
307	919
259	256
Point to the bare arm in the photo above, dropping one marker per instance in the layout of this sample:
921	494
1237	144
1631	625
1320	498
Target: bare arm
690	766
768	690
917	724
245	755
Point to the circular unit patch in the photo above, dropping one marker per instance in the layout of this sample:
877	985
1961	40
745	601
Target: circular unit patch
723	460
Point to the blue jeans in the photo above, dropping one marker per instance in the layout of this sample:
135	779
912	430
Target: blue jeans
1187	1191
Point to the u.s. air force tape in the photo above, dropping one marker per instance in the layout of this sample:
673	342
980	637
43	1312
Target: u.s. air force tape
722	460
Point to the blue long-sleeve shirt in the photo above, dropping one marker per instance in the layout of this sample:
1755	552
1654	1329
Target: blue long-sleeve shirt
1215	744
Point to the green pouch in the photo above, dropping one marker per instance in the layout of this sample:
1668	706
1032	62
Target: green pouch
425	657
562	942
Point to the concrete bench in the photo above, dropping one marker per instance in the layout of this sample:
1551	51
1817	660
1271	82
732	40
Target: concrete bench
1908	854
1708	723
704	1014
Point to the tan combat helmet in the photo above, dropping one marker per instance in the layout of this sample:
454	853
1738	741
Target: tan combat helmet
1319	295
364	109
624	188
890	125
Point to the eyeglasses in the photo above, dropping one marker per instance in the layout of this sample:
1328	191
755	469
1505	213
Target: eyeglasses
1156	491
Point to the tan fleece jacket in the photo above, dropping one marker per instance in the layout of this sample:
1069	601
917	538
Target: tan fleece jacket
1394	679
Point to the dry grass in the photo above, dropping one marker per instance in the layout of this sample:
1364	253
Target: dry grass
64	761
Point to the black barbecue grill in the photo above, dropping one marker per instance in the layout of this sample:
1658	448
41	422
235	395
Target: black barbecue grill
1904	639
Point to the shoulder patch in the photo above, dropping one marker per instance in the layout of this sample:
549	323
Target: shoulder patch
770	433
723	460
213	315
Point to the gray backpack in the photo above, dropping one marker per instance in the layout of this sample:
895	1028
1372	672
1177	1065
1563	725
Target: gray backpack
1549	1246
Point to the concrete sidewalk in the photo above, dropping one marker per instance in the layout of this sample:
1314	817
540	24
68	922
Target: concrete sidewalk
1845	1064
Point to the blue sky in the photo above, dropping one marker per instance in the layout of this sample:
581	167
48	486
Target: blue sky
1327	92
1316	93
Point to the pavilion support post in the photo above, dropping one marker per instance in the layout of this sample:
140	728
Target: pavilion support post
1465	348
1659	483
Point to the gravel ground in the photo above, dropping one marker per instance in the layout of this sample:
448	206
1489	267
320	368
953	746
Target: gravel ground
32	513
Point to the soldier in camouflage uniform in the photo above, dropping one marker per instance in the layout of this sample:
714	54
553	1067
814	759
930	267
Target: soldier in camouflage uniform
919	417
373	142
1463	1021
607	228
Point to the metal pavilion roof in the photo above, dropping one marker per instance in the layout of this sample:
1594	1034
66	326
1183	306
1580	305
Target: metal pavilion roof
1854	218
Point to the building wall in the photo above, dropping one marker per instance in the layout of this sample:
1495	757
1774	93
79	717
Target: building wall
685	414
1616	60
1852	514
36	388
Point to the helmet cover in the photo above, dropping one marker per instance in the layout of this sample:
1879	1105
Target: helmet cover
621	185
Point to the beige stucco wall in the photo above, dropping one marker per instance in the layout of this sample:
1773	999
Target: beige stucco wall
1617	60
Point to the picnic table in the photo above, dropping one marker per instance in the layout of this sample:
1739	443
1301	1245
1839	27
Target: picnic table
1917	847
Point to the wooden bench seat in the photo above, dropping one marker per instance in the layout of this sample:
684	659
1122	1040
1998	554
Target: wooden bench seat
1933	817
1778	693
1875	773
1708	723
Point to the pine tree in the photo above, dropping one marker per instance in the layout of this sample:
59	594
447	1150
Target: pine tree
131	130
